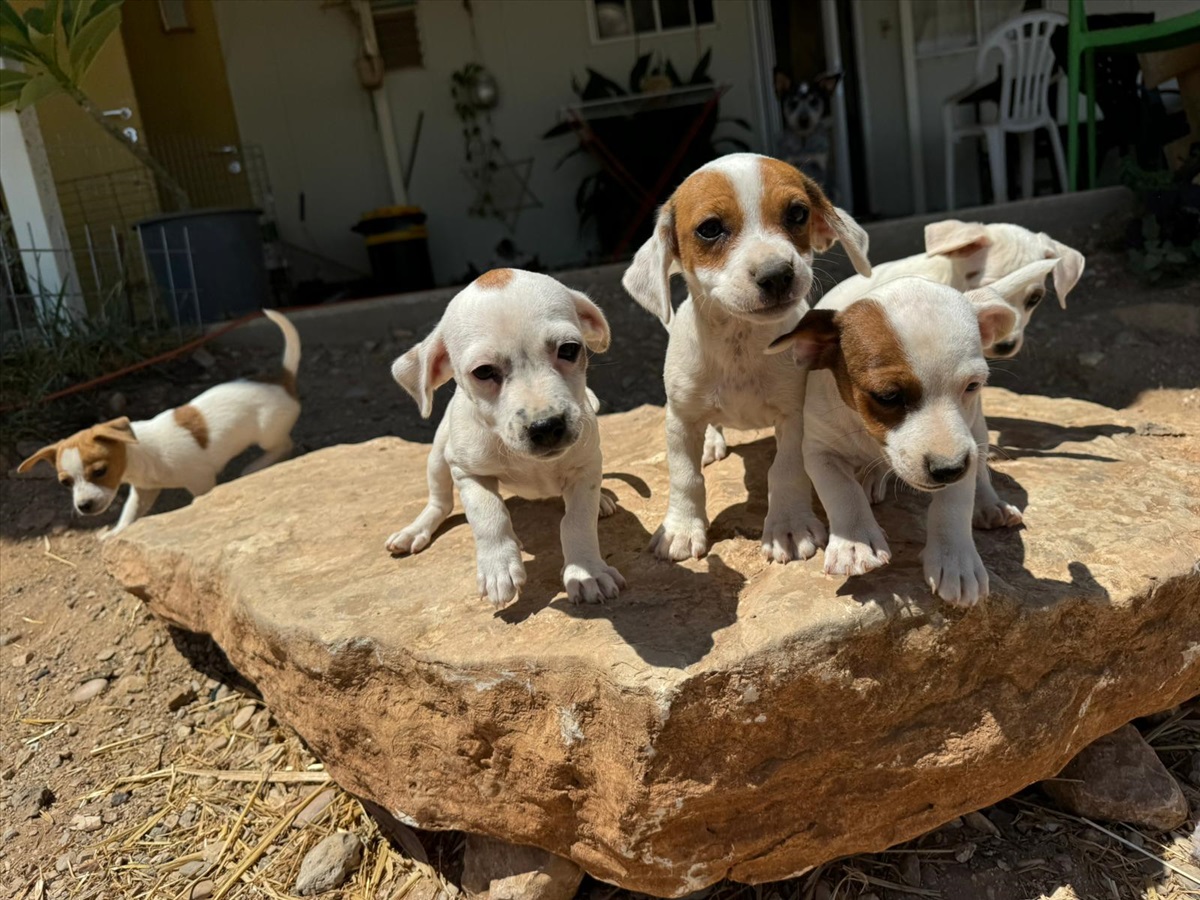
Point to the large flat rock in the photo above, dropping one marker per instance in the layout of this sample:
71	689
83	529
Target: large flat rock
722	718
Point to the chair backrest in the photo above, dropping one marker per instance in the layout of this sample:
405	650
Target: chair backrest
1026	65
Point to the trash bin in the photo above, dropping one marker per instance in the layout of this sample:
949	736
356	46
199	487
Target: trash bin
207	264
398	248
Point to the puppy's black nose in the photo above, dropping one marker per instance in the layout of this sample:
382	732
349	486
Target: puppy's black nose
775	280
1004	348
547	433
946	471
86	506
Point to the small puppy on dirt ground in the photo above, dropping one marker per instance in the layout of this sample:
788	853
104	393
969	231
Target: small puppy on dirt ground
522	418
968	255
185	447
742	230
895	382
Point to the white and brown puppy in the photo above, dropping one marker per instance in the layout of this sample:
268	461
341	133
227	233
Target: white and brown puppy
967	255
742	230
185	447
522	418
895	382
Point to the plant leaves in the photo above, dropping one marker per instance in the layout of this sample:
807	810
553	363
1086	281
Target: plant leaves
700	73
74	14
669	71
11	85
91	39
35	89
638	72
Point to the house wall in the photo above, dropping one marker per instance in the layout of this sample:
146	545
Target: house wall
291	70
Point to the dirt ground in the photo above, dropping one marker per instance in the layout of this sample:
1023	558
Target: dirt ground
172	780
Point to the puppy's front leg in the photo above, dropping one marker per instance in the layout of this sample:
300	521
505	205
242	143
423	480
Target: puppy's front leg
792	530
137	504
990	510
586	576
683	533
416	537
501	573
953	569
856	542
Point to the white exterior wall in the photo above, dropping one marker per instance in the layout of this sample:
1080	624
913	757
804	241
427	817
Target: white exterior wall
291	71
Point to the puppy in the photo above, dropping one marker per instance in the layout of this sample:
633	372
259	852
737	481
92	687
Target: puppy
806	139
742	230
186	447
968	255
895	381
522	418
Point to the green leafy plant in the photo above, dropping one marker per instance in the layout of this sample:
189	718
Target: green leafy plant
1164	240
55	44
481	148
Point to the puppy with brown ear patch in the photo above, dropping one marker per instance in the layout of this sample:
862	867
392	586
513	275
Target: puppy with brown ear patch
521	418
742	230
896	382
186	447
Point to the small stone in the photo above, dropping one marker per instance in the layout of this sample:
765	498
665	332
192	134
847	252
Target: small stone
328	865
88	690
9	834
314	809
1090	359
910	870
22	659
72	729
260	721
1120	778
62	865
504	870
202	890
9	637
119	798
977	821
183	732
8	774
143	641
965	852
181	698
216	745
87	823
242	719
106	654
195	867
204	359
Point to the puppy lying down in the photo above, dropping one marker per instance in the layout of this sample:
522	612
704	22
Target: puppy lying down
516	343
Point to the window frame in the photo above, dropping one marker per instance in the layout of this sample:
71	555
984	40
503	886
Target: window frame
589	9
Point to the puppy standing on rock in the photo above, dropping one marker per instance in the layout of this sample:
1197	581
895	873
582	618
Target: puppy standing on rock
522	418
185	447
742	230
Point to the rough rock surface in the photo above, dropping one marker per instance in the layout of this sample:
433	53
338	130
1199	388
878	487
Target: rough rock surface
723	717
1120	778
505	872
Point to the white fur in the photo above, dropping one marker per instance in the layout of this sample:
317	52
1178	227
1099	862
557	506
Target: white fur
484	441
716	372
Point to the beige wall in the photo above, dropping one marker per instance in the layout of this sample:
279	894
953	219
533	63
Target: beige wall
291	71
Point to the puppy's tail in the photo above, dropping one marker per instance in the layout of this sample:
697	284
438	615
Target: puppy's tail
291	341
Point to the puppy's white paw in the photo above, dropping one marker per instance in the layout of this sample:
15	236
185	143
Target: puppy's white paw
109	532
592	582
680	539
608	505
857	555
500	573
955	572
997	515
715	447
792	535
412	539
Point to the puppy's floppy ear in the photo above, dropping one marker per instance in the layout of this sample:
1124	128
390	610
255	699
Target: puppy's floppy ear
996	318
831	225
954	238
424	369
783	83
1069	269
1013	285
827	83
648	278
815	342
47	453
596	333
116	430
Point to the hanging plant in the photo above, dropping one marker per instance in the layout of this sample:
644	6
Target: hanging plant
475	94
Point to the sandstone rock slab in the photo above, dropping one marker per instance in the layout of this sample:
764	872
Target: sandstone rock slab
723	717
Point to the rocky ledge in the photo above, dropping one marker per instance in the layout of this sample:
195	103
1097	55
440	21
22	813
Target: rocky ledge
723	718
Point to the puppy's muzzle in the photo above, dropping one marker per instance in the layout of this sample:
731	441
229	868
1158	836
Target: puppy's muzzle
946	471
88	507
549	434
775	283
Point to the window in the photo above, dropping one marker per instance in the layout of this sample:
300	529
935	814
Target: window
615	19
174	15
396	32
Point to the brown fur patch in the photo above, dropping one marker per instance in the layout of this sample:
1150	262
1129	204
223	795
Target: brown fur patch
705	195
98	455
783	186
494	279
192	420
282	378
873	361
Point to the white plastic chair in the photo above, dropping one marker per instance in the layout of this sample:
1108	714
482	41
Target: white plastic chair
1027	68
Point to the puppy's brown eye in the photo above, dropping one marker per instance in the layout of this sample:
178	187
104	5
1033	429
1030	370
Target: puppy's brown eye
797	215
710	229
99	471
1034	299
487	373
890	398
569	352
66	481
974	386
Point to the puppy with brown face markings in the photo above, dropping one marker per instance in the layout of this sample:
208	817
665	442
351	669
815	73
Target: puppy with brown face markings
186	447
742	230
895	381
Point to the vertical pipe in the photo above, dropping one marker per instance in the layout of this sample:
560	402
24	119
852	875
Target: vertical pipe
912	103
383	110
187	243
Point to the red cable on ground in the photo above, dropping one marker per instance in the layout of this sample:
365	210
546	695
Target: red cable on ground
145	363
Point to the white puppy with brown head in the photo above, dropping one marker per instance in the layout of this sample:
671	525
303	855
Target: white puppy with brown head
185	447
967	255
742	230
895	382
516	343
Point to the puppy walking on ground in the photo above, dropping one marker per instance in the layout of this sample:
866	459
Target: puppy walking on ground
185	447
895	381
742	230
522	418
